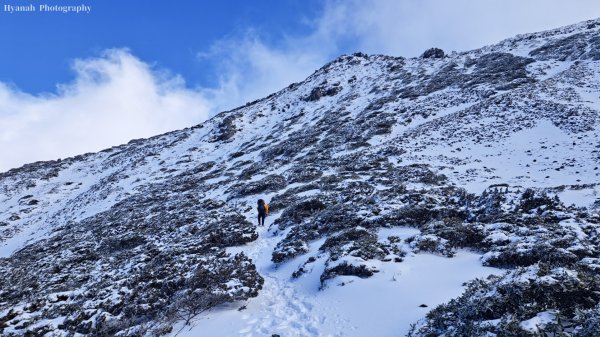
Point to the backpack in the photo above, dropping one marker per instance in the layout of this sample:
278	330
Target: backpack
263	207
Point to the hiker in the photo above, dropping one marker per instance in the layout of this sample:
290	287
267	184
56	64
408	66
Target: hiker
263	211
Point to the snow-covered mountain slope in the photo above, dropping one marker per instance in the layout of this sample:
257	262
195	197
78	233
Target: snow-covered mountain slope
370	165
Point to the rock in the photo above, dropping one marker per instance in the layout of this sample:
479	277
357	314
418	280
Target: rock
433	53
322	91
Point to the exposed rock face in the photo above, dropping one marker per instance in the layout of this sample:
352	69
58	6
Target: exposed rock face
131	239
433	53
322	91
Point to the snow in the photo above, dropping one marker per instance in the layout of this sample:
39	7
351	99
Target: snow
401	232
392	297
347	306
14	243
538	321
547	69
497	237
527	158
576	228
581	198
36	222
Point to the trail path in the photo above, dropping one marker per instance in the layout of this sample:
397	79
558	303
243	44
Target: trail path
283	306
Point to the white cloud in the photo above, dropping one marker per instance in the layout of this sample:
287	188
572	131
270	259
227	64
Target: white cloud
113	99
249	68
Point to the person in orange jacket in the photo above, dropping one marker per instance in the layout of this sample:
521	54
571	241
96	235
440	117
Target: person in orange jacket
263	211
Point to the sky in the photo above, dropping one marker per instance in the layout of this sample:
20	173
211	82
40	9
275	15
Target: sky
72	83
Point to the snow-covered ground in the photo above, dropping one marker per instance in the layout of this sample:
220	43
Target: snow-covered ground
581	197
527	158
385	304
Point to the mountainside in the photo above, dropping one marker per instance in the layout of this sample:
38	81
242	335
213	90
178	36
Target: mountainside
369	165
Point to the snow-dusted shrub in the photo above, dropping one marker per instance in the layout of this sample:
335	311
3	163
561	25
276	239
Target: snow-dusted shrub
406	216
289	248
504	305
531	200
590	323
299	212
457	233
513	255
345	269
270	183
303	174
288	148
432	244
357	242
251	171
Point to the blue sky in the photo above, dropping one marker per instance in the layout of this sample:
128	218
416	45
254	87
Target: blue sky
39	48
75	83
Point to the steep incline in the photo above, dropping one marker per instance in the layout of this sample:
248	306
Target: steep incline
134	238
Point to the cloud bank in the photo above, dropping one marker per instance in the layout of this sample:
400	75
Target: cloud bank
113	99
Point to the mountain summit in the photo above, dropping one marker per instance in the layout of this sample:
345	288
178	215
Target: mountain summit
390	181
